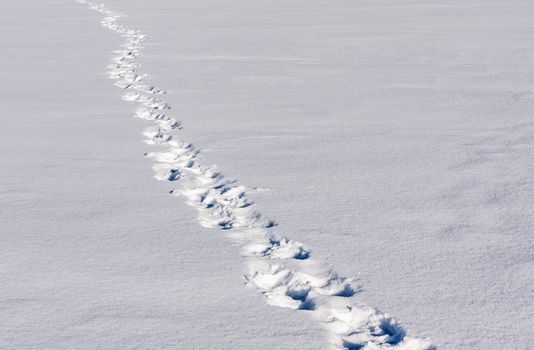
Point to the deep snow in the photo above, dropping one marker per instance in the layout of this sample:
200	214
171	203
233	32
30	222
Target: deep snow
394	140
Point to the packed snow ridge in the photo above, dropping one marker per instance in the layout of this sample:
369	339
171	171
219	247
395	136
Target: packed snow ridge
279	268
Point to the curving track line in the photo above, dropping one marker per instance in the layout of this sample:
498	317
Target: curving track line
279	268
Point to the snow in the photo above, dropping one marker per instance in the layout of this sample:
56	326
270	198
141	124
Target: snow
392	139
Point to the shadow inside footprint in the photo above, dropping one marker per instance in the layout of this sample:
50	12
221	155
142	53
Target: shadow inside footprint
396	333
347	345
307	304
347	291
303	254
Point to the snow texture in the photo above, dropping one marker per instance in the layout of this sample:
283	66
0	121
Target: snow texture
281	269
392	138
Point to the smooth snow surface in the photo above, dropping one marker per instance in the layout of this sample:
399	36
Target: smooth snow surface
393	138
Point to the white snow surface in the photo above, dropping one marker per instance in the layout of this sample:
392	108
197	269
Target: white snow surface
392	138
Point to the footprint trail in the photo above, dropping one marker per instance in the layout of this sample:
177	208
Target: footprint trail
281	269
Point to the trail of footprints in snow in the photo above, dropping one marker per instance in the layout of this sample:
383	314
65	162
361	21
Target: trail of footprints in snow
279	268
